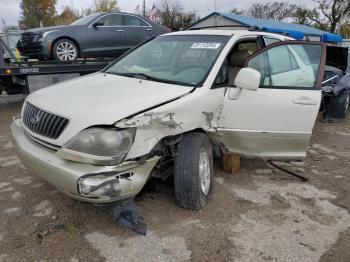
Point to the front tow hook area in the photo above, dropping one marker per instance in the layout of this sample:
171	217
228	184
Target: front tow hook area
126	213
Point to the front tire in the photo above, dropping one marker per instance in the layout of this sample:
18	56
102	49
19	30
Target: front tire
347	102
65	50
193	173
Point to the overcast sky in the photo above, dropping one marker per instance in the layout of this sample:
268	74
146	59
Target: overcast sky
10	10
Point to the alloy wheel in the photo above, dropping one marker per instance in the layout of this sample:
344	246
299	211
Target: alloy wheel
204	171
66	51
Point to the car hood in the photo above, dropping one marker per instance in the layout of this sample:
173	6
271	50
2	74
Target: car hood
101	99
46	29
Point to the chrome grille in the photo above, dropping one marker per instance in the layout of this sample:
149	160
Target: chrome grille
27	37
42	122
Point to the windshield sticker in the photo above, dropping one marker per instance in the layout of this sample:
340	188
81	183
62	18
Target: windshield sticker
206	45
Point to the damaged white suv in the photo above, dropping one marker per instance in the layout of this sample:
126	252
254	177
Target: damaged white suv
168	103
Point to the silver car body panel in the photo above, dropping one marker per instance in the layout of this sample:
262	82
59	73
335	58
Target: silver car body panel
157	110
64	174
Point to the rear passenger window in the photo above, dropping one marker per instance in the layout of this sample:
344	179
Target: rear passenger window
132	21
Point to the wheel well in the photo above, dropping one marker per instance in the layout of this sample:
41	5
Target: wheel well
64	37
174	140
170	142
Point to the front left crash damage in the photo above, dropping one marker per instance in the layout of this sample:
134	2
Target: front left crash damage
84	182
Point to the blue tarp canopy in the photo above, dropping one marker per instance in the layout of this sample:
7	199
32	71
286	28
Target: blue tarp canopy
293	30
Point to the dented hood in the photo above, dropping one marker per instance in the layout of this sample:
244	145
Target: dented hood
101	99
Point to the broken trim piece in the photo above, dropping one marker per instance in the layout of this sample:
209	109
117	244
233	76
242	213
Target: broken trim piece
127	214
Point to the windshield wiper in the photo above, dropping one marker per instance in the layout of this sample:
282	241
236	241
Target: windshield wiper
138	75
152	78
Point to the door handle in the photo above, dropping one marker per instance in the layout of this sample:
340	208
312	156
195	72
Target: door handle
120	30
305	101
148	29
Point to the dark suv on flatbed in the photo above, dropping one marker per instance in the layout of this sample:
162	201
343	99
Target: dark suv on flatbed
96	35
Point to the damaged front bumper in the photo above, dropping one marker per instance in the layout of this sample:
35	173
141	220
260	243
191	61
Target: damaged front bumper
89	183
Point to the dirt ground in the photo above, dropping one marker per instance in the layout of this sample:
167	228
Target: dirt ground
261	214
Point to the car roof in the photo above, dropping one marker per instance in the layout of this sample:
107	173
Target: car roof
120	13
227	32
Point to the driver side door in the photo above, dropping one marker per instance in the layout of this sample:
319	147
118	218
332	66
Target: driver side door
276	121
108	38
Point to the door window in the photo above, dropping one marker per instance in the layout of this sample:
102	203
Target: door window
288	66
238	56
111	20
133	21
281	60
222	78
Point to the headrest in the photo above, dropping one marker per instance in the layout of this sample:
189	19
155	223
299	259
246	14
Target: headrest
238	58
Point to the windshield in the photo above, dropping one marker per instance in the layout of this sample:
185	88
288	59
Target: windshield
182	59
85	20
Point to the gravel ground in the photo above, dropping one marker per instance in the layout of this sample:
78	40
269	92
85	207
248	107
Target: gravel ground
260	214
8	100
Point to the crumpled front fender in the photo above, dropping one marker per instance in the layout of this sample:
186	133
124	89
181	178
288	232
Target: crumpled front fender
198	110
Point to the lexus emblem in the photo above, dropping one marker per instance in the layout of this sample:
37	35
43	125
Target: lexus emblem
34	119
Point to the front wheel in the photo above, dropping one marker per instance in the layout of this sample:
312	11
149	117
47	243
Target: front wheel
347	102
65	50
193	173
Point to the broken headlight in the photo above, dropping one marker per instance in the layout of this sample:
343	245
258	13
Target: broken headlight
38	37
99	146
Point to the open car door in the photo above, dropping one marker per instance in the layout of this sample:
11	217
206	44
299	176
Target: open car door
277	119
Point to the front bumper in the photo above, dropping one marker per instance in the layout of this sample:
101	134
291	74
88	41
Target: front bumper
34	49
129	176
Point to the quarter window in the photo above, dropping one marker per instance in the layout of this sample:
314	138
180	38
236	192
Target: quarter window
270	40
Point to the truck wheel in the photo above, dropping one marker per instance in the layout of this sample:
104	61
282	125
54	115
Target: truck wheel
193	173
65	50
347	102
343	100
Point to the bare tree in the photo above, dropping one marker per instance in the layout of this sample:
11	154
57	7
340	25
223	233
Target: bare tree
37	13
327	14
236	11
68	16
272	10
169	12
87	11
106	5
301	17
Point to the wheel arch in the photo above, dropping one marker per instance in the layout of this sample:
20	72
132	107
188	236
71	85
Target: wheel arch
196	130
65	37
174	140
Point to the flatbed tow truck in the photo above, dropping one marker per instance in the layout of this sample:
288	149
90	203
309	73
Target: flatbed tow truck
25	76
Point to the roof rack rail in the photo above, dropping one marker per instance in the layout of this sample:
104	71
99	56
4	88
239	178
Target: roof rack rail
254	28
219	26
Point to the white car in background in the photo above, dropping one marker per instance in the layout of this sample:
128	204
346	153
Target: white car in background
166	104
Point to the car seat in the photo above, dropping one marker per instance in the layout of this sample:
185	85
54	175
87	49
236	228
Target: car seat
236	63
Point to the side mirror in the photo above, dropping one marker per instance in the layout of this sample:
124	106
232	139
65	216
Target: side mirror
248	78
96	24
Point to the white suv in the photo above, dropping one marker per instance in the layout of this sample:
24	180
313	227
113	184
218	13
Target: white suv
167	103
